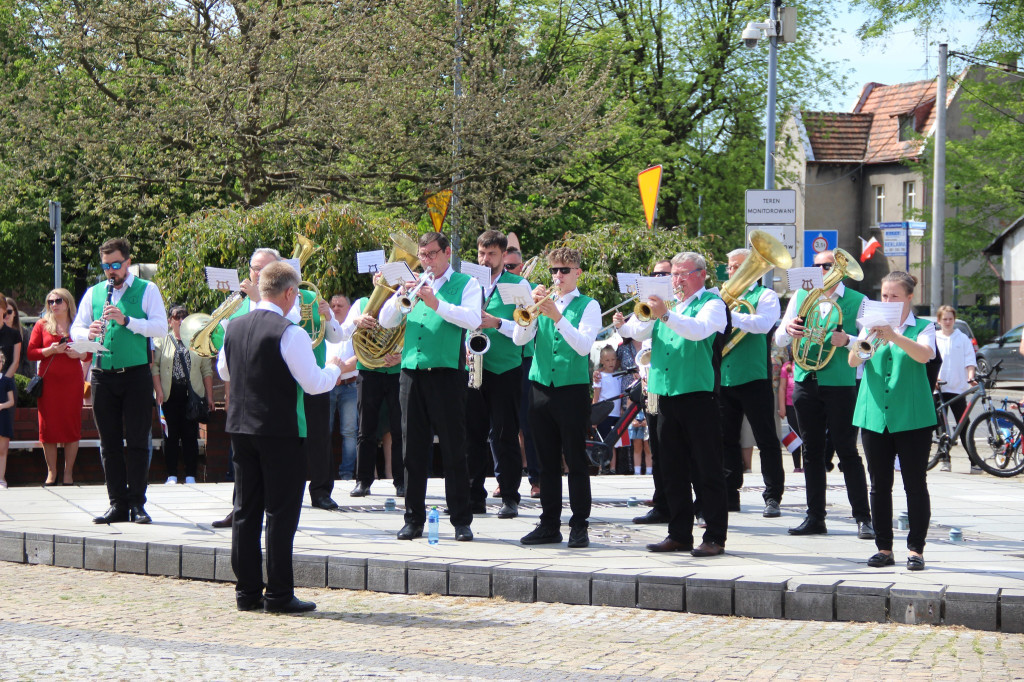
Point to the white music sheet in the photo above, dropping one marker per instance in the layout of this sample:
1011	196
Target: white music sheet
222	279
516	294
397	273
480	273
370	261
654	286
627	282
804	278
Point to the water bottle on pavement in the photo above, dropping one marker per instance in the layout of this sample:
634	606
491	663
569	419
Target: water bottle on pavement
433	521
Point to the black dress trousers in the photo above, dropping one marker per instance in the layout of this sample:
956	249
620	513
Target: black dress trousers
123	410
373	390
492	414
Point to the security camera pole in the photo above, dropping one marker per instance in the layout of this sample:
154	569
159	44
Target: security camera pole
773	63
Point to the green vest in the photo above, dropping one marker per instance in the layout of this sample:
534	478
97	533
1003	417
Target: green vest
894	391
748	359
312	326
361	306
217	335
504	354
431	341
555	362
679	365
838	371
127	349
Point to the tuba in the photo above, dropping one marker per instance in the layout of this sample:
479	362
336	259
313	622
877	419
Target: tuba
766	252
816	324
371	345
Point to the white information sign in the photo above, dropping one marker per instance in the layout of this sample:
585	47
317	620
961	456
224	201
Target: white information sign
771	206
784	233
894	241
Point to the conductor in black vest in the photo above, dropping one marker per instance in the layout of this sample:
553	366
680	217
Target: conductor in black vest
269	362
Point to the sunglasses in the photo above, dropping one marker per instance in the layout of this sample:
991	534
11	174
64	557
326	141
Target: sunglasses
112	266
9	312
178	316
54	301
562	271
512	266
660	274
827	266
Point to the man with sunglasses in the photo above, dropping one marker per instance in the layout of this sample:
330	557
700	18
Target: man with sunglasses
123	313
683	375
825	399
433	384
564	332
492	411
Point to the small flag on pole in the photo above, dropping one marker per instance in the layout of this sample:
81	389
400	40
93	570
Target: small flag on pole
868	248
792	441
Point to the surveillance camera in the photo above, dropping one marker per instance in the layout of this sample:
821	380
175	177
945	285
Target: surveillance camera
750	36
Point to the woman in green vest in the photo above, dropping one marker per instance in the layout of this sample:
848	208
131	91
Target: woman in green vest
896	415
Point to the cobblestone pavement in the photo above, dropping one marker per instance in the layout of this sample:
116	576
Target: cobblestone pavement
72	624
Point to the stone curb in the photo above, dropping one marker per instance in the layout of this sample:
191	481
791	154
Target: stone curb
820	598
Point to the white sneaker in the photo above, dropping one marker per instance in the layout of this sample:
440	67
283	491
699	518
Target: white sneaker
3	485
171	480
190	480
944	466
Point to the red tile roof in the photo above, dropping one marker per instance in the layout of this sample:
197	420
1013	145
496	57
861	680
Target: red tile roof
837	136
889	103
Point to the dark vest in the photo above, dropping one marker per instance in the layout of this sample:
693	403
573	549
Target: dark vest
265	399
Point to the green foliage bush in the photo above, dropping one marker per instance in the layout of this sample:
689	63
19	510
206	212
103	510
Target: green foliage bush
226	238
23	398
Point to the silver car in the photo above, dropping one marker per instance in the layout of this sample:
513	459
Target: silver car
1005	348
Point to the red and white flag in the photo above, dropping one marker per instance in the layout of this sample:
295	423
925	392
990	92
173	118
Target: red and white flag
868	248
791	439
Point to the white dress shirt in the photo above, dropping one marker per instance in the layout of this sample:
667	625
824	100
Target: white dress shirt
580	339
298	356
782	337
154	326
957	355
710	319
766	313
343	351
465	315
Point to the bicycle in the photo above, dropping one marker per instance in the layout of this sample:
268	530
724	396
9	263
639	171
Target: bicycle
1001	430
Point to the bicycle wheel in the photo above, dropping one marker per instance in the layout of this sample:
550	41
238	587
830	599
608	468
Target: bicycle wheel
995	442
941	440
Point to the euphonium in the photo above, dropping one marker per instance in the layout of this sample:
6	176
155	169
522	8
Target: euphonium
304	250
372	344
766	252
816	325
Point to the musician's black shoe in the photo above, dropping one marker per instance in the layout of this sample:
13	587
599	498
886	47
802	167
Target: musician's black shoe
249	603
226	521
509	510
411	531
463	533
771	510
293	605
400	490
810	526
542	535
578	537
865	531
138	515
361	490
652	516
325	503
113	515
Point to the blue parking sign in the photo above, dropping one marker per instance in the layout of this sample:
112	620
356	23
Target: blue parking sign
816	241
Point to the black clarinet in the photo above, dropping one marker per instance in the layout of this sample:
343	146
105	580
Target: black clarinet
106	323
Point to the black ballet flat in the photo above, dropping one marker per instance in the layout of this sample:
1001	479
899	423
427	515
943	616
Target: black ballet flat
915	563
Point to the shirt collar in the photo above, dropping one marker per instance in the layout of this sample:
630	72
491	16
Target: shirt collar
267	305
444	278
569	296
686	301
129	279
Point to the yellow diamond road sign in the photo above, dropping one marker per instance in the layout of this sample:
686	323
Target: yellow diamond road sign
650	182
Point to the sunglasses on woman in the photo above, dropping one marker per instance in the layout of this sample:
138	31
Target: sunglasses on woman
54	301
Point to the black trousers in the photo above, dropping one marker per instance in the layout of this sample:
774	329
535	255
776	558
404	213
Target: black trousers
818	408
434	403
373	390
913	448
657	471
532	462
122	405
756	400
559	417
269	478
182	434
690	436
492	413
320	468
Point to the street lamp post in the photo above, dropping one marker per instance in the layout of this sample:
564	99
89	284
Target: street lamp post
773	30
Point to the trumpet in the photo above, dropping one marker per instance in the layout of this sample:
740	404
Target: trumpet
525	316
406	302
866	347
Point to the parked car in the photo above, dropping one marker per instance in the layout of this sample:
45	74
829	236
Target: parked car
1007	349
959	324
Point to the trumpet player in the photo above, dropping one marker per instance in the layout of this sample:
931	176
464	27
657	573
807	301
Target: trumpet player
433	383
682	374
747	391
493	408
564	330
825	398
123	313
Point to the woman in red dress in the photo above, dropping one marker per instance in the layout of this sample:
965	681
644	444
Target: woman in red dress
60	405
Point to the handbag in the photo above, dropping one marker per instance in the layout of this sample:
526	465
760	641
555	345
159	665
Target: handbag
34	387
196	408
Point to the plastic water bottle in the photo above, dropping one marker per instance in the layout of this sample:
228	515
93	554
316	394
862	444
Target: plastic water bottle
433	523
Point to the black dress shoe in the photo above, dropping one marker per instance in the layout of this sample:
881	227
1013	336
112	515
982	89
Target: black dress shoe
881	559
113	515
915	563
652	516
247	603
463	533
411	531
865	531
509	510
542	535
771	510
578	537
400	490
361	490
707	549
478	507
138	515
293	605
226	521
670	545
809	527
325	503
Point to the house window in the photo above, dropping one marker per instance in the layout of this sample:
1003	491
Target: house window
906	123
879	204
909	198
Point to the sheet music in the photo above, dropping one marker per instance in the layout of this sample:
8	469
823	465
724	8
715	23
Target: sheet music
480	273
370	261
222	279
397	273
87	347
804	278
627	282
878	314
654	286
294	262
519	293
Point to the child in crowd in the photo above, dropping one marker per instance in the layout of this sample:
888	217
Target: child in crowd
607	386
641	443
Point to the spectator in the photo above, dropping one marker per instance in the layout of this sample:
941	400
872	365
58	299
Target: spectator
786	409
60	405
344	396
175	367
7	393
26	367
957	369
10	340
607	386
